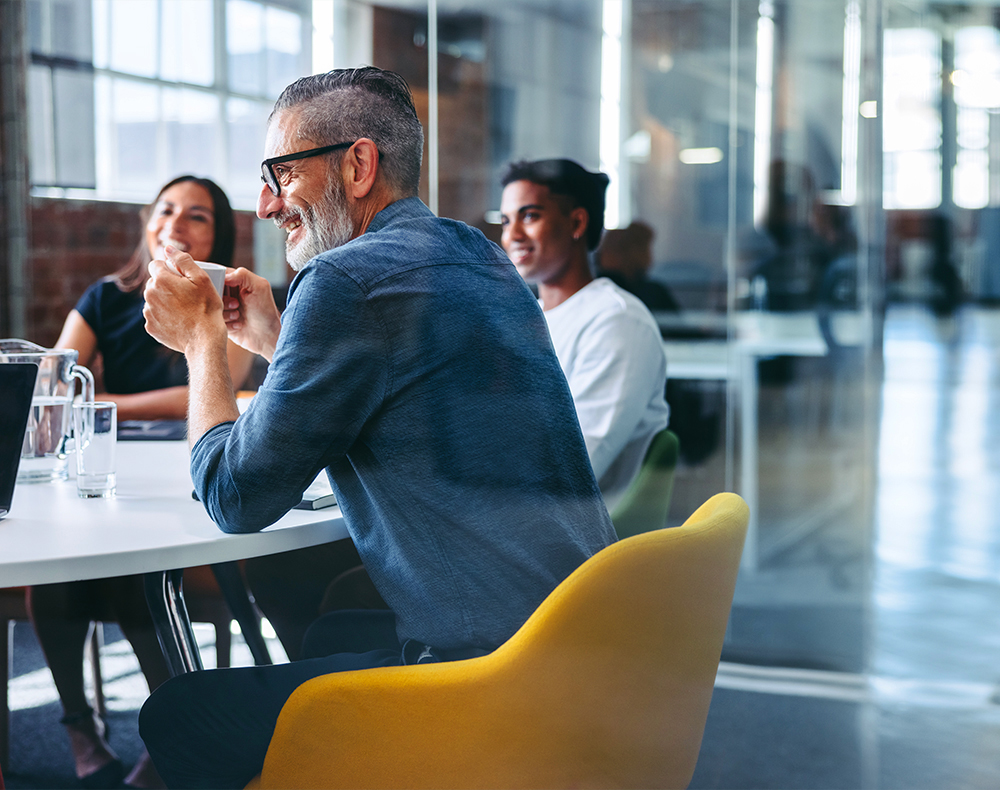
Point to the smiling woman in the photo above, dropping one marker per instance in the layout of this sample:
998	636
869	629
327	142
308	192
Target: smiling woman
184	216
147	381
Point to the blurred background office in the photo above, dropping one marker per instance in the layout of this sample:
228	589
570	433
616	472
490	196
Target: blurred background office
822	184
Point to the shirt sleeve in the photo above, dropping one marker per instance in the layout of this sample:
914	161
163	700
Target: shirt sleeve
89	305
328	376
617	367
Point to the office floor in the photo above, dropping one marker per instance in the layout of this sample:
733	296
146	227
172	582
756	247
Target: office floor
922	718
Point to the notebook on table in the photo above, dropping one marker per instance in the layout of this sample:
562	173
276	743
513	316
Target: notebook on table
152	430
17	386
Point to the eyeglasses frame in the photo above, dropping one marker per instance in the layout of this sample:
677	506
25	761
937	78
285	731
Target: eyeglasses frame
267	166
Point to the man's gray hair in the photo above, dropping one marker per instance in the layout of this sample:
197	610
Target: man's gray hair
345	105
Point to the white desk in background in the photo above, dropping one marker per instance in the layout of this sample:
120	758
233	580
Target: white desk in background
153	527
753	336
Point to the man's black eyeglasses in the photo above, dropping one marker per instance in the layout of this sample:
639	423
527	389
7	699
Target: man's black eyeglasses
267	166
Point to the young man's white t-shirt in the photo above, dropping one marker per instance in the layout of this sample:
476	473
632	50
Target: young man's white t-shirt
610	349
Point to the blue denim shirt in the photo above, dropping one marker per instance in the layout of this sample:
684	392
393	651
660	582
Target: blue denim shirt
415	365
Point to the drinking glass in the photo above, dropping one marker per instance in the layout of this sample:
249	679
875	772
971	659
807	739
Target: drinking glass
95	429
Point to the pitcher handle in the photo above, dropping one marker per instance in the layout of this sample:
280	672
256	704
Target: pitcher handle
87	389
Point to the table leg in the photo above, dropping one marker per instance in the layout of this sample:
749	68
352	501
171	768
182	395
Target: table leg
170	618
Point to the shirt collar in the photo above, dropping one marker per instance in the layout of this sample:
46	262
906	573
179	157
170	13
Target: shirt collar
407	208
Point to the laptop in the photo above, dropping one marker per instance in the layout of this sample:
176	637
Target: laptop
17	385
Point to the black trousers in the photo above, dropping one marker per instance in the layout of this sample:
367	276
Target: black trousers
211	729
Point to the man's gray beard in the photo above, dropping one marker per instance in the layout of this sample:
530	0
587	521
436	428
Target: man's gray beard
328	226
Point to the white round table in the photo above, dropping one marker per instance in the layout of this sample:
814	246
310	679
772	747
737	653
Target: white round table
152	526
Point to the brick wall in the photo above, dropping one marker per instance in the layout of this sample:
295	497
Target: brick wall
75	242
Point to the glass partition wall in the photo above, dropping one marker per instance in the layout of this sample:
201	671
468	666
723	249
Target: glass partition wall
744	136
816	187
820	181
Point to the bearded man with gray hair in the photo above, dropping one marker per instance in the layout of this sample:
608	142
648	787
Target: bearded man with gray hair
414	365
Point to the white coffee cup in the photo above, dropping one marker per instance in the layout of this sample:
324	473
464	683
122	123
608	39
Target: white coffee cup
217	273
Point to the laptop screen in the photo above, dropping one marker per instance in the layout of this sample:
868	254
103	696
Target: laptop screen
17	385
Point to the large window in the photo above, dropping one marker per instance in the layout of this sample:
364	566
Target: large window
126	94
912	124
977	97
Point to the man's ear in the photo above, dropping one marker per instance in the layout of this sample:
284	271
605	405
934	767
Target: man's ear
360	165
578	221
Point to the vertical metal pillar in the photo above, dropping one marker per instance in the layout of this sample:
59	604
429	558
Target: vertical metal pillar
432	107
14	228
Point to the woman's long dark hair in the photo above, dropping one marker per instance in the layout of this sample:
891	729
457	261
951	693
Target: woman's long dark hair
133	274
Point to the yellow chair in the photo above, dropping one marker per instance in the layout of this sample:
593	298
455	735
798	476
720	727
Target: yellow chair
607	684
646	502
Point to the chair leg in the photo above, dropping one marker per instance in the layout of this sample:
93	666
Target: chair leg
7	658
95	641
240	602
223	643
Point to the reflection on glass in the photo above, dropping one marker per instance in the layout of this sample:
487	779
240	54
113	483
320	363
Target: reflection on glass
852	110
186	38
513	82
284	47
133	37
611	110
763	98
244	44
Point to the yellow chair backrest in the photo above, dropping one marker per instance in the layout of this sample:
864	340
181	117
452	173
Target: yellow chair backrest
607	684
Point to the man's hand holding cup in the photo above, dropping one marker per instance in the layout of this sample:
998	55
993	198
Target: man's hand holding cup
183	305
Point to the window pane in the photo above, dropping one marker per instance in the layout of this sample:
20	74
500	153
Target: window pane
912	179
973	128
190	121
244	25
972	179
284	48
135	110
101	11
40	125
73	92
246	149
133	37
186	39
977	65
36	13
71	36
912	90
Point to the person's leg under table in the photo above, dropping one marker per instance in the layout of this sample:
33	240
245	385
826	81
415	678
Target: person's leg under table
211	729
289	587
